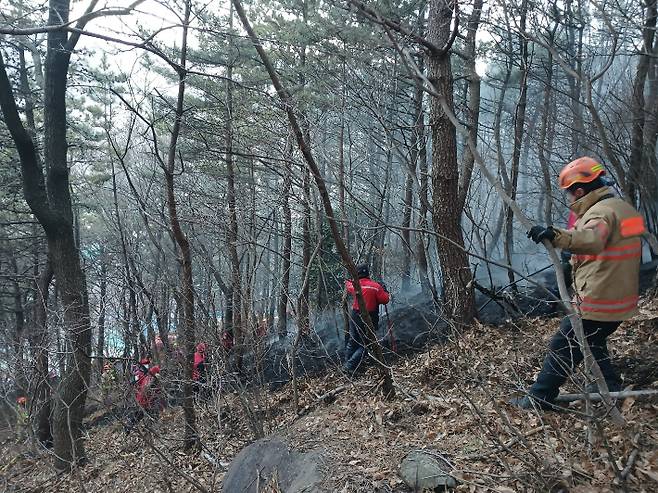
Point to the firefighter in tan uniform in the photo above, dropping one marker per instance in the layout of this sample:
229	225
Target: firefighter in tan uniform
606	253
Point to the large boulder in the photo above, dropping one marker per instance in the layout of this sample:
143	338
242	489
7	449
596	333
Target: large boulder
270	461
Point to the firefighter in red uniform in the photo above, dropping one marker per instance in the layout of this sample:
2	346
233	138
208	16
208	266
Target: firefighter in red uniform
148	394
374	294
606	252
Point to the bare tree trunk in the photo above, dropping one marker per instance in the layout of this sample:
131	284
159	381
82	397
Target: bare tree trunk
574	52
381	219
341	159
519	122
546	135
638	103
502	169
39	341
276	274
415	143
473	101
406	220
423	199
100	342
459	298
50	201
18	359
190	436
649	190
303	319
232	232
282	328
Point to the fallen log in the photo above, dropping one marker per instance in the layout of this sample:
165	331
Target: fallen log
597	397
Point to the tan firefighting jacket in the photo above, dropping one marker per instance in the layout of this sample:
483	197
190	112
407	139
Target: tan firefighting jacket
606	253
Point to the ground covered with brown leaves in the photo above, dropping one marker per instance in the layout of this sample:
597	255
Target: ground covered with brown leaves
451	400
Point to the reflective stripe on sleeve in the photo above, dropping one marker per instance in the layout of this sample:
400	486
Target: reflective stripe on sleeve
633	226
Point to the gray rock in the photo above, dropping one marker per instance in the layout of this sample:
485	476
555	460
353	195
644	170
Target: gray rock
270	459
424	471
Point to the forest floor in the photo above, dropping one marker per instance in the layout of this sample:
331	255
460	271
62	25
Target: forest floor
451	400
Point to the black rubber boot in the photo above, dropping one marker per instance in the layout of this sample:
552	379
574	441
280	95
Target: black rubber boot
530	403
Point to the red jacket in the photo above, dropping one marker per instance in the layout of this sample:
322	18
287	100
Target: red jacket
148	392
199	359
373	294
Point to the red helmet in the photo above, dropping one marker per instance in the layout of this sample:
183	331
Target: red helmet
581	170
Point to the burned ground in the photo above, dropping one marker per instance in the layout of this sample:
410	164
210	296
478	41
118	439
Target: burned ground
451	399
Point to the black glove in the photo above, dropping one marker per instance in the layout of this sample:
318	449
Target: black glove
383	286
541	233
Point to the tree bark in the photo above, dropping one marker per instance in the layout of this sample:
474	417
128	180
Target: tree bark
50	201
421	238
458	294
39	341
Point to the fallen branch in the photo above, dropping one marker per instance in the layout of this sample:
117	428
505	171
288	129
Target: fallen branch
323	398
500	448
506	304
596	397
631	458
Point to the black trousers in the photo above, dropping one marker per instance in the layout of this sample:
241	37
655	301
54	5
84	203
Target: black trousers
564	355
355	347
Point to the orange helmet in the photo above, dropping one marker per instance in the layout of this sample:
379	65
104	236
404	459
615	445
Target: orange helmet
581	170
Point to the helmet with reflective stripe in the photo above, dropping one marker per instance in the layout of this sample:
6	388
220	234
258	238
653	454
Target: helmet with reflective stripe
581	170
